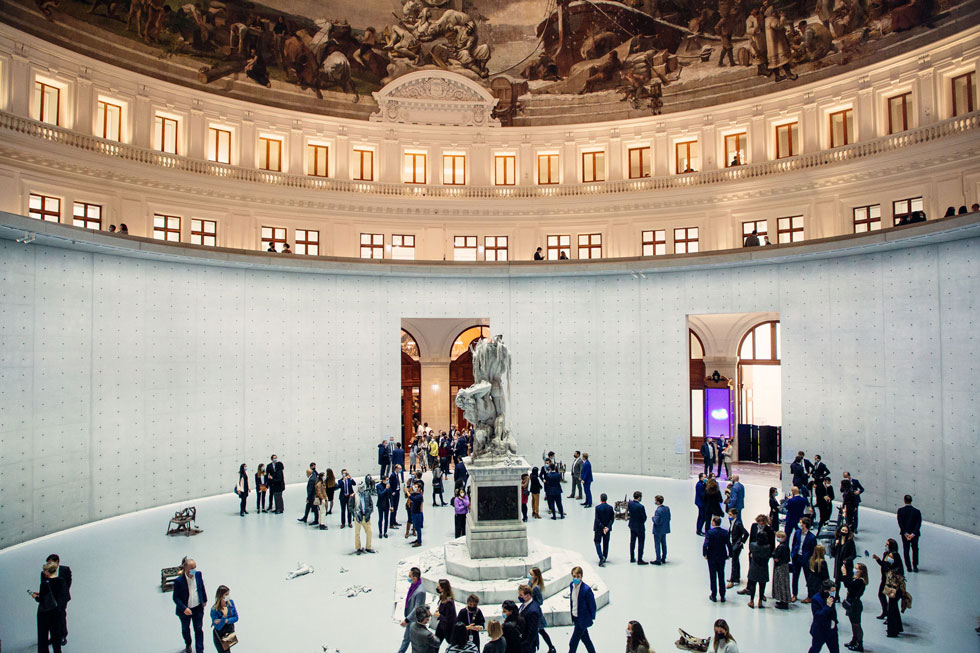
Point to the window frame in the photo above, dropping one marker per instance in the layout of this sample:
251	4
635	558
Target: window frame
413	168
554	175
653	242
163	233
40	88
645	171
896	217
201	233
452	157
314	150
43	211
303	242
741	145
163	120
775	348
558	247
496	248
373	246
85	219
591	247
687	240
590	162
359	153
793	145
970	96
677	156
465	247
102	111
267	141
274	237
403	241
509	161
905	98
847	116
761	235
868	221
790	230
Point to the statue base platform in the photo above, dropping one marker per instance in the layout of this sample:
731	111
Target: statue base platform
493	526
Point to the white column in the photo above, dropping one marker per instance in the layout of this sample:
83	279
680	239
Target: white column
197	135
297	151
342	154
21	87
84	107
864	115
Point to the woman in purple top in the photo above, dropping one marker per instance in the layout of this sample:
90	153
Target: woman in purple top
461	504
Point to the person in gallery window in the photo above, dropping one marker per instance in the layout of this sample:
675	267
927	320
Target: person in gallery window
752	240
272	248
241	489
123	229
562	256
261	488
285	249
538	256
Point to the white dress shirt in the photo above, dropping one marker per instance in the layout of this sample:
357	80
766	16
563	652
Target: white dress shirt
575	590
193	600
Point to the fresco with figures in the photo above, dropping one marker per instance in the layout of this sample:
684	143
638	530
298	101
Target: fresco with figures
629	50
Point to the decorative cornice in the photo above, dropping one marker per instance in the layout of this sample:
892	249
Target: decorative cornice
435	97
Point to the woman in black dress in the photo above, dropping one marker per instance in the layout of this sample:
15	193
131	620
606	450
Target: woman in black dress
774	508
818	570
446	613
853	607
844	552
535	493
890	561
712	500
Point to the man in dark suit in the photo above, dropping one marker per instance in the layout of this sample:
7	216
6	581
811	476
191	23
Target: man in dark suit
661	527
384	457
699	501
311	479
190	597
552	490
277	483
824	629
530	612
909	524
64	573
462	448
857	489
398	461
582	602
413	600
716	550
818	473
587	479
795	507
638	527
395	492
737	535
602	528
800	469
460	474
804	542
346	484
708	454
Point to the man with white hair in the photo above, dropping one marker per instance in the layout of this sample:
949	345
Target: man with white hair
190	597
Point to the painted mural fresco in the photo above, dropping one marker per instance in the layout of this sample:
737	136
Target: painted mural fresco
633	48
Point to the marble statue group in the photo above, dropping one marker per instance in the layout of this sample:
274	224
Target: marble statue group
485	403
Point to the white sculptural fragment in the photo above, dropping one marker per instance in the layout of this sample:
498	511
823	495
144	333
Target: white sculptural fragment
485	403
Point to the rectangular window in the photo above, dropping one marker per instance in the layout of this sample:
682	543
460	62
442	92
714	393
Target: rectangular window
495	248
87	215
639	162
559	247
787	140
166	227
165	134
548	169
590	246
963	94
270	154
686	240
219	145
841	128
362	165
403	247
789	230
902	209
898	113
735	145
415	168
464	248
317	160
308	242
109	121
505	170
867	218
654	242
761	227
47	103
273	238
686	157
204	232
593	166
453	169
44	207
372	246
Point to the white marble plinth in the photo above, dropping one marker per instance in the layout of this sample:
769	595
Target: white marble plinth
494	528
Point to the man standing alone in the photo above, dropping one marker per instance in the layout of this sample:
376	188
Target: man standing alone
909	524
602	528
576	477
64	573
716	550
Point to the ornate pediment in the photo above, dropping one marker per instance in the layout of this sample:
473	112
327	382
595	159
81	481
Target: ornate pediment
435	97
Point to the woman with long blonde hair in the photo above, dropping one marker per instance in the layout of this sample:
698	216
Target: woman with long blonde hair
818	571
853	607
224	616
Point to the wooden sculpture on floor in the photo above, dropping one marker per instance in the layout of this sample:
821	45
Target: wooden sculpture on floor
182	523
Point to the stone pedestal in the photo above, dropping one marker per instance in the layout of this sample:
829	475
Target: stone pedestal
494	528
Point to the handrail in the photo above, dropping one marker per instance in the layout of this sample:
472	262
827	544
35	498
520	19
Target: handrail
951	127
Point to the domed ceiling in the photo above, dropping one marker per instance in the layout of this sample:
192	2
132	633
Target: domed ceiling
567	60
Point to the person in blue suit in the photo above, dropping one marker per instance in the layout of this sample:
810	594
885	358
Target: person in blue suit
736	500
582	601
347	484
795	507
699	502
824	629
530	612
552	490
190	597
716	550
803	544
602	528
587	479
638	527
661	527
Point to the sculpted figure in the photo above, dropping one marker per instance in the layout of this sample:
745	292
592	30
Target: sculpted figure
485	403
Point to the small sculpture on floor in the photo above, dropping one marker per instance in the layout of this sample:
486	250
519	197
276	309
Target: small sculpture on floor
688	642
301	570
182	523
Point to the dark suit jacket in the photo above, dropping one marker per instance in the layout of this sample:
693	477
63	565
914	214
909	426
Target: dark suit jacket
604	518
311	487
909	520
277	476
738	535
586	605
182	593
795	507
64	573
346	486
57	588
716	547
513	629
803	549
661	520
699	494
384	454
552	484
587	471
857	487
531	613
824	617
637	516
394	484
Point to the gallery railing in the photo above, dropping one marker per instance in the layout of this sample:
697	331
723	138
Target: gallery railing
951	127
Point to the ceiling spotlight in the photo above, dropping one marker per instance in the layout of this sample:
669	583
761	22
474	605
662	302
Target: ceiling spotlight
27	239
643	275
634	275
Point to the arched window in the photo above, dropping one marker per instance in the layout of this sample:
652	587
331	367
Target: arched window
464	339
410	345
696	348
760	345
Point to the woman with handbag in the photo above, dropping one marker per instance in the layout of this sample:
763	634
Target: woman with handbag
224	616
320	499
890	561
853	607
261	487
241	489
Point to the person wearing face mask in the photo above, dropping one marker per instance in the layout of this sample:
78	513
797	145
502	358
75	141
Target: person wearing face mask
469	623
413	600
530	612
346	492
636	640
536	581
582	602
241	489
823	629
224	616
723	640
513	626
461	506
190	597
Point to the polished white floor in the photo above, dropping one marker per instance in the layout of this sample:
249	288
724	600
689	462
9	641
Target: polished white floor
118	605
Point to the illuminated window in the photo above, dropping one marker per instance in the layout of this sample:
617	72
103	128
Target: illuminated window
559	246
165	134
372	246
639	162
789	230
898	113
547	169
495	248
686	157
273	239
787	140
219	145
362	165
964	94
593	166
44	207
453	169
47	103
761	227
464	248
590	246
270	154
308	242
166	227
504	170
867	218
204	232
109	121
686	240
654	242
841	128
761	343
87	215
467	338
414	168
902	209
403	247
735	145
317	160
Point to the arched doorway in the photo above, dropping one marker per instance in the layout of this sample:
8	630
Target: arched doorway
697	374
411	386
760	392
461	369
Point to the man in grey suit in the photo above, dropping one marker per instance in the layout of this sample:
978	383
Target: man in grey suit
413	600
576	477
423	641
